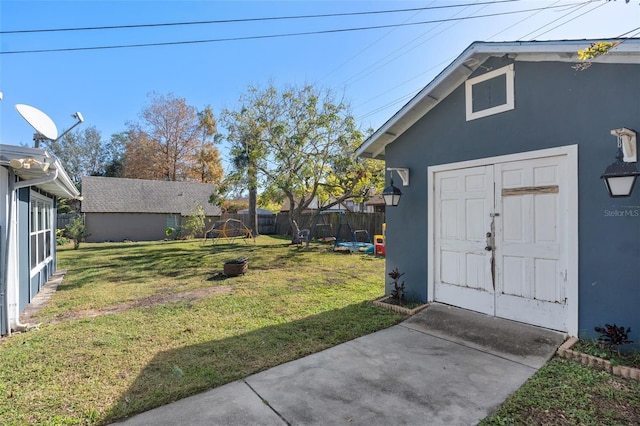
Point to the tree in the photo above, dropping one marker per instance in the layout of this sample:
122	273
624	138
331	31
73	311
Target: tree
116	149
301	142
82	153
172	142
207	167
142	157
247	130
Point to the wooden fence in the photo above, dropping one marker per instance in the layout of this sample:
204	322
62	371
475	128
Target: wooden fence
266	223
63	219
327	224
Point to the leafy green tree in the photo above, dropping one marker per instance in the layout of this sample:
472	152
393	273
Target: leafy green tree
298	143
247	130
116	149
82	153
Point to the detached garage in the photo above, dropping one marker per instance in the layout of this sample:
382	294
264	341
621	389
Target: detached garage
504	210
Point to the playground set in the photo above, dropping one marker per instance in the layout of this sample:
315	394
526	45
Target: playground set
228	229
345	237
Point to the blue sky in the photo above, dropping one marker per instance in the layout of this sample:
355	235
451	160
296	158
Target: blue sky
377	70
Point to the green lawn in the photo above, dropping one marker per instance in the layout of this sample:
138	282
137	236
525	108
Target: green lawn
567	393
137	325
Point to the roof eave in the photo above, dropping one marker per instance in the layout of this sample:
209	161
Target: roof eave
62	186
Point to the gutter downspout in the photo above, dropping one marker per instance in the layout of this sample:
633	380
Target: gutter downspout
13	186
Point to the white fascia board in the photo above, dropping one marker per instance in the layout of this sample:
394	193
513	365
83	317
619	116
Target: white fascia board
63	185
439	88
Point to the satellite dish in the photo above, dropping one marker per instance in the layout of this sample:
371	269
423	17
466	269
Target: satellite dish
39	121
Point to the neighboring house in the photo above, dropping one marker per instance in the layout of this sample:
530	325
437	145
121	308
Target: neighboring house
375	204
348	205
312	207
118	209
31	182
505	212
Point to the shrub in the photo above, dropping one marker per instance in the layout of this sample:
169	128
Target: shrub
612	336
195	223
61	239
76	231
397	292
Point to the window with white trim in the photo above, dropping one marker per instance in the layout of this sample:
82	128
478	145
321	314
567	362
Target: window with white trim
41	235
490	93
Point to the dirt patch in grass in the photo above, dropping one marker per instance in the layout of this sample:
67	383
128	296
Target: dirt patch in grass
622	412
153	300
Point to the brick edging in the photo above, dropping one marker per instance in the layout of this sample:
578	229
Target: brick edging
565	351
399	309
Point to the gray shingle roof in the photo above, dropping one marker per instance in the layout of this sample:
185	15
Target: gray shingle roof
119	195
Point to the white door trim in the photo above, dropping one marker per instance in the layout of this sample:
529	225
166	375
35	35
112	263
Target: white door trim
571	152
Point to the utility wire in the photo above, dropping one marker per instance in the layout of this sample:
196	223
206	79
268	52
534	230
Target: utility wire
368	46
624	34
575	7
228	21
572	19
519	22
555	20
333	31
399	52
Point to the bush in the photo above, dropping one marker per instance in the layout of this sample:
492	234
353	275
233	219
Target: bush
195	223
76	231
61	239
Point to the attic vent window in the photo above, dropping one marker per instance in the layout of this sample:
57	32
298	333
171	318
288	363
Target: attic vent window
490	93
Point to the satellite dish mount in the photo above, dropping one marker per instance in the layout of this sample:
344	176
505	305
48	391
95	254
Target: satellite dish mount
44	126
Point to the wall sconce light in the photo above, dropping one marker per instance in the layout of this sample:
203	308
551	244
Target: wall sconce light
392	193
620	176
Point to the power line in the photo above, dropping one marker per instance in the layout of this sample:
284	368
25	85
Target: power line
574	8
269	36
624	34
413	78
368	47
555	20
228	21
398	52
519	22
564	23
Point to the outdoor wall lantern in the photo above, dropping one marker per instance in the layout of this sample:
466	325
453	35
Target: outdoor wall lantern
620	177
392	193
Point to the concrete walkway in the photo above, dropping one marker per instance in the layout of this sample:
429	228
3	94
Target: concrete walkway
443	366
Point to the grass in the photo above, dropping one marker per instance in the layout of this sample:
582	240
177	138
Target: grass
618	355
566	393
138	325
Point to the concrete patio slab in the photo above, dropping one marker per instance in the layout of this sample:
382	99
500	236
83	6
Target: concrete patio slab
443	366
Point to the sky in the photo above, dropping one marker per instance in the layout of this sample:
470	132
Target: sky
375	61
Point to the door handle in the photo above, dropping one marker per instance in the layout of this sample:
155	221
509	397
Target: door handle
489	245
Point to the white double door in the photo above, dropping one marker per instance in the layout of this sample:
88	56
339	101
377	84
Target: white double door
500	245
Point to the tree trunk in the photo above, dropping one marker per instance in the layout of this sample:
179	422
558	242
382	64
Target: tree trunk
252	174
